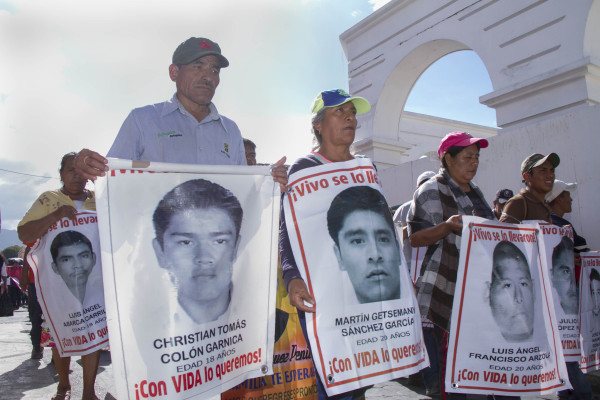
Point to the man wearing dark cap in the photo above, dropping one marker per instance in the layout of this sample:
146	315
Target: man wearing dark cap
187	129
502	196
529	204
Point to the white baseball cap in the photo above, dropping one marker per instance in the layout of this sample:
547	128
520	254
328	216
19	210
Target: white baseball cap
558	188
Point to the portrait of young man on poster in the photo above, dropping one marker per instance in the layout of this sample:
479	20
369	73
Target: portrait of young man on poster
511	293
360	224
73	259
197	226
563	275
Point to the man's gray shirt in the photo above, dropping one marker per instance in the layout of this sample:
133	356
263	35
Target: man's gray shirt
167	132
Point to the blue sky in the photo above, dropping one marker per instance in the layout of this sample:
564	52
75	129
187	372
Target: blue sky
70	72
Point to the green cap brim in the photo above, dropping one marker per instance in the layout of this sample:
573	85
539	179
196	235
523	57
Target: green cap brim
362	105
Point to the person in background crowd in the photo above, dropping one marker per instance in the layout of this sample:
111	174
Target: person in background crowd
334	126
502	196
538	175
560	202
34	309
3	274
435	220
402	211
13	269
401	214
430	375
538	172
250	150
190	129
49	208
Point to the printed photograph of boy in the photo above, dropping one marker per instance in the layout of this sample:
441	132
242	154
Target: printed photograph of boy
197	226
73	259
360	223
511	296
563	275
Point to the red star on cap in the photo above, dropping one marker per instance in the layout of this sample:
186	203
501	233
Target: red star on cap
204	45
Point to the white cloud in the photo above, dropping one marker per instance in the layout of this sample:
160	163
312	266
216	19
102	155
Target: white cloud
377	4
72	70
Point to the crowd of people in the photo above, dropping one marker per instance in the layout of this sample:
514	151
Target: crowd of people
188	128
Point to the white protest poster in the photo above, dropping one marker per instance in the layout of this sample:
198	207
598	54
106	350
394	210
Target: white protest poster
560	259
190	255
504	338
68	277
589	313
366	328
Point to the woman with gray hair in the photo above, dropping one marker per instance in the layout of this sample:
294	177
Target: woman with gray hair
333	125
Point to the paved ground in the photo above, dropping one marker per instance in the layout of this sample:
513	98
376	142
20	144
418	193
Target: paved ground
23	378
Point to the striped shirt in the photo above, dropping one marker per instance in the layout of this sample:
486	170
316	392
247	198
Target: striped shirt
434	202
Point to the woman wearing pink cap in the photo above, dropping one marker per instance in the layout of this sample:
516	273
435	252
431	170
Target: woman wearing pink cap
435	220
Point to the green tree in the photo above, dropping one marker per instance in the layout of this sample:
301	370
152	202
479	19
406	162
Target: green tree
11	251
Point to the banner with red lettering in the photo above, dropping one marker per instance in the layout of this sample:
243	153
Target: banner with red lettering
68	277
589	313
190	255
293	371
366	328
560	259
504	338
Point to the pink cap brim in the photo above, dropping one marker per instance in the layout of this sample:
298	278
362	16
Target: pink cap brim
462	142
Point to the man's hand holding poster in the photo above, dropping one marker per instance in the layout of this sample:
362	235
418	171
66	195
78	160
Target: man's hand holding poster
190	276
504	337
366	328
589	315
66	260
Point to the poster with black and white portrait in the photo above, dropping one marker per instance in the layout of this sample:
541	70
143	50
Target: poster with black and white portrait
589	292
366	328
191	260
68	277
504	338
560	260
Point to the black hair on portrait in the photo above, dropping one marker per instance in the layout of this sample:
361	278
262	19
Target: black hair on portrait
565	244
594	275
68	238
353	199
505	250
195	194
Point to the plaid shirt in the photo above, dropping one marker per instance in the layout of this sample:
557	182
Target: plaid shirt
434	202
